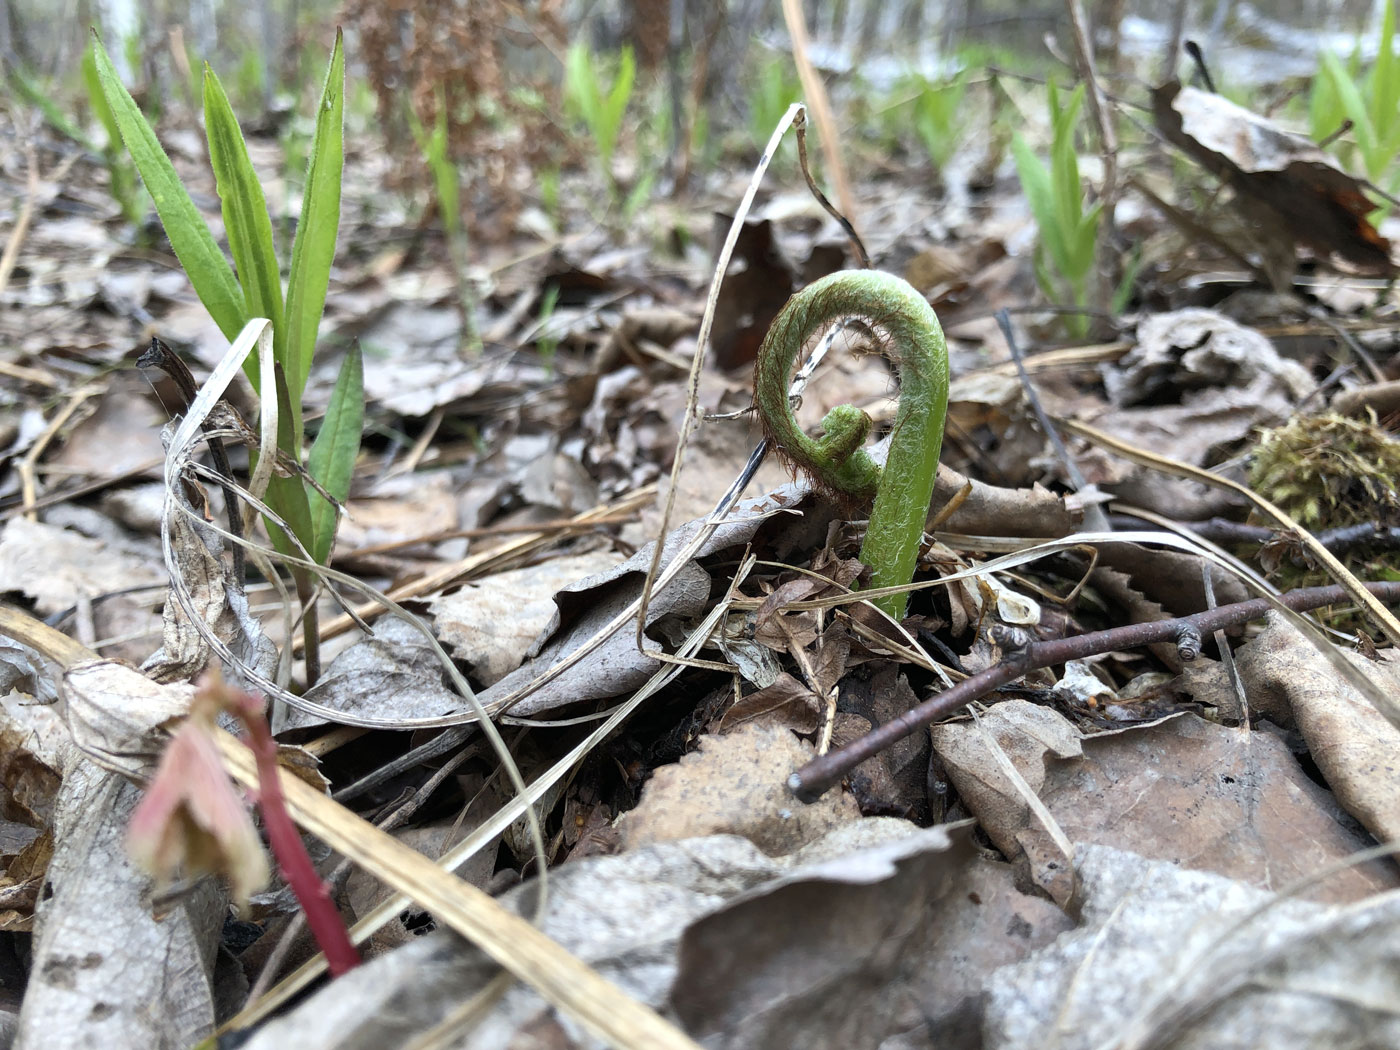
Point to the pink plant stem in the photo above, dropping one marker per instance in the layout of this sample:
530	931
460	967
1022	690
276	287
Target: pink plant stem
321	914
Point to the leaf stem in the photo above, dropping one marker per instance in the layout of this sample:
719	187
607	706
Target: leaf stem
321	915
835	462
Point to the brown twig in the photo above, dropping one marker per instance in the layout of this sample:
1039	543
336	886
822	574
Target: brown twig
159	355
26	214
1095	520
813	779
1108	144
800	126
815	91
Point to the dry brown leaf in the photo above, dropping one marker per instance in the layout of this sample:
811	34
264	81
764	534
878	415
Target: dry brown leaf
1163	958
121	436
736	784
1300	186
1182	789
1353	744
588	605
824	957
492	621
393	674
56	567
786	704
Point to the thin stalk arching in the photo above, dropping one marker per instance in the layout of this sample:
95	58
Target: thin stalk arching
835	462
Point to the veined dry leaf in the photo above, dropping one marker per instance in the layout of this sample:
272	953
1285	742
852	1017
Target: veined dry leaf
1197	965
736	784
492	621
1303	190
1353	744
786	704
1182	789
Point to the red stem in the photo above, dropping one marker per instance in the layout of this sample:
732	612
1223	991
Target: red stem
315	899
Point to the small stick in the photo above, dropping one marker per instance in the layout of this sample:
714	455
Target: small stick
1198	56
1346	126
159	355
813	88
817	776
1095	520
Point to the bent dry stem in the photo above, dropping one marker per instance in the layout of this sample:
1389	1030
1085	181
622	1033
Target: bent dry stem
836	462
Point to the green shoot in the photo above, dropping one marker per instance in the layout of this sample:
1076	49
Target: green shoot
772	91
256	290
1371	102
599	109
938	116
546	343
836	462
32	92
433	146
1064	260
548	181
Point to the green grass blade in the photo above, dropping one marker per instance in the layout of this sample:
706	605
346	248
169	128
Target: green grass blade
286	494
1035	182
616	105
245	215
581	84
1069	191
193	244
314	247
29	89
1385	78
1325	112
101	110
1352	104
332	458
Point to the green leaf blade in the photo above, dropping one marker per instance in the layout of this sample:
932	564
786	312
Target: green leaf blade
246	220
332	458
190	239
1036	183
314	247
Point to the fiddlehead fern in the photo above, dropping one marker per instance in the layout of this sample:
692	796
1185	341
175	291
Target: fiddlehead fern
835	462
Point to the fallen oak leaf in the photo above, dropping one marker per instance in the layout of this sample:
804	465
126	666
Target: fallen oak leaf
1317	203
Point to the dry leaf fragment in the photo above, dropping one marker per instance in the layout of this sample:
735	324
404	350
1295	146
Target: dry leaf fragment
823	957
786	704
1353	744
736	784
492	622
1300	188
1181	789
1186	974
56	567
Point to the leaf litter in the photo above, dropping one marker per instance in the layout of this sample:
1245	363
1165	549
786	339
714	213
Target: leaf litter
963	879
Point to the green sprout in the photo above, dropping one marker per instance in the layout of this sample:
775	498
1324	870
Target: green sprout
1064	259
446	182
599	109
254	289
771	92
938	115
836	462
545	343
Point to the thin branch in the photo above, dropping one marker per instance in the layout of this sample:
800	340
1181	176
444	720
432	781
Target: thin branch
813	779
1103	121
1094	517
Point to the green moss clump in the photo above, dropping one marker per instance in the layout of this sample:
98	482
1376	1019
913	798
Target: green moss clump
1329	471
